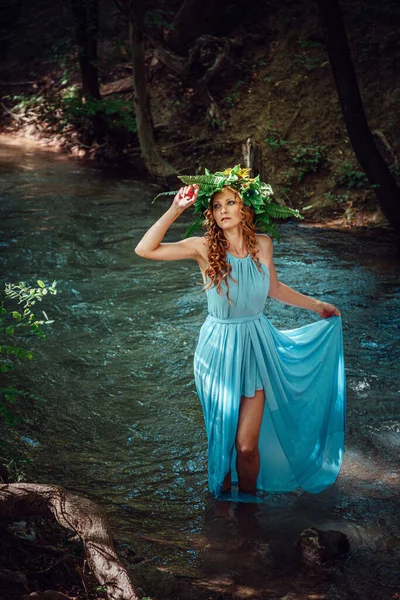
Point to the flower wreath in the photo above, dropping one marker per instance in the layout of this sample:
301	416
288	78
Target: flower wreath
254	193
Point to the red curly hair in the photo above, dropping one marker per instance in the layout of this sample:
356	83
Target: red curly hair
219	269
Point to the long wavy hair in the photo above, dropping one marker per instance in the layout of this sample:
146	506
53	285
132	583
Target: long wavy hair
219	269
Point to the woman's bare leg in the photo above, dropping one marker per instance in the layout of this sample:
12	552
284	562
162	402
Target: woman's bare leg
226	486
248	432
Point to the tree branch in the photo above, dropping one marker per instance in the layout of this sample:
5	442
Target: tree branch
20	500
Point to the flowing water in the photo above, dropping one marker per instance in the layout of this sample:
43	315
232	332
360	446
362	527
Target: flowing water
121	422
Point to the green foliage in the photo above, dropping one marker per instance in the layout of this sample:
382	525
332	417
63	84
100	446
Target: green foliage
395	170
14	465
198	224
272	139
275	143
71	109
118	112
306	158
232	99
255	193
234	96
312	55
349	176
336	198
12	323
157	19
242	65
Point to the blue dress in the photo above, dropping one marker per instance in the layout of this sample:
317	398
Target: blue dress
302	373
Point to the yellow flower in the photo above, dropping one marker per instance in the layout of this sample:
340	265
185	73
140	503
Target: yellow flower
243	173
240	173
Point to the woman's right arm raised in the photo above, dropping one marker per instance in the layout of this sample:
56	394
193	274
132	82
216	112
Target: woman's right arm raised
151	246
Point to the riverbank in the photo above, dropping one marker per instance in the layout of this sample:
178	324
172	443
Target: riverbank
272	98
359	217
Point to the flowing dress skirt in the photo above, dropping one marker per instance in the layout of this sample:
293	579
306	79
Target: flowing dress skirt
302	374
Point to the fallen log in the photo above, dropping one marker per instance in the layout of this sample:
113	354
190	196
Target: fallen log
120	86
84	517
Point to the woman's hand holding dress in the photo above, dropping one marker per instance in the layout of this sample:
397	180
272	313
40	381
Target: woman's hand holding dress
325	310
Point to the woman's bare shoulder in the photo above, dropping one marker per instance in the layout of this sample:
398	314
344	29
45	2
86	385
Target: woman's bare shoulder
265	246
264	241
201	244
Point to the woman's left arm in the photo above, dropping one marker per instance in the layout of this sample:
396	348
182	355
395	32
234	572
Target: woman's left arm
283	293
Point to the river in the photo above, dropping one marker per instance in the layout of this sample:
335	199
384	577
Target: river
121	422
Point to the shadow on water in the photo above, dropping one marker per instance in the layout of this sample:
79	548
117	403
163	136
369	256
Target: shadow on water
122	423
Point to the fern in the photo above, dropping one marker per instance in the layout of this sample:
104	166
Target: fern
270	228
196	226
282	212
164	194
254	193
208	183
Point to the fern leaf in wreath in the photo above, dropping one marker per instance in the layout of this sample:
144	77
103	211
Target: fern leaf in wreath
169	193
269	228
207	183
196	226
282	212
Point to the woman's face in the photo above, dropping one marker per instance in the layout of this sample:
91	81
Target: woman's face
226	209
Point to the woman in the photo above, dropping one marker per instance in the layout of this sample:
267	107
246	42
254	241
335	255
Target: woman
273	401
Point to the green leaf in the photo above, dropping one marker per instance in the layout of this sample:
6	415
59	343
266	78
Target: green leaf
40	283
269	228
9	330
207	183
16	315
165	194
282	212
10	397
196	226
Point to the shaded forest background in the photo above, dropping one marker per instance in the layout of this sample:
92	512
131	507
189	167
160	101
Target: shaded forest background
216	84
227	83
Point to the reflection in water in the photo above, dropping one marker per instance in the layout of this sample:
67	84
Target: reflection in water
122	422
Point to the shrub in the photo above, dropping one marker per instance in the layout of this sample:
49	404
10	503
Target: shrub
71	109
336	198
349	176
312	55
272	138
306	159
22	321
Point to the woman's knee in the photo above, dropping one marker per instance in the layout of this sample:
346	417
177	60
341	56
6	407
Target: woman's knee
247	449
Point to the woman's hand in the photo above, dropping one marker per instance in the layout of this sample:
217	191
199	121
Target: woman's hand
186	196
325	310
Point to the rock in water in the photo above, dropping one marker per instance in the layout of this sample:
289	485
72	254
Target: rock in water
317	546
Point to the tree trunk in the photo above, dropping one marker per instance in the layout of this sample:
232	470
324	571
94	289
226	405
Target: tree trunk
20	500
195	18
154	162
86	16
361	138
